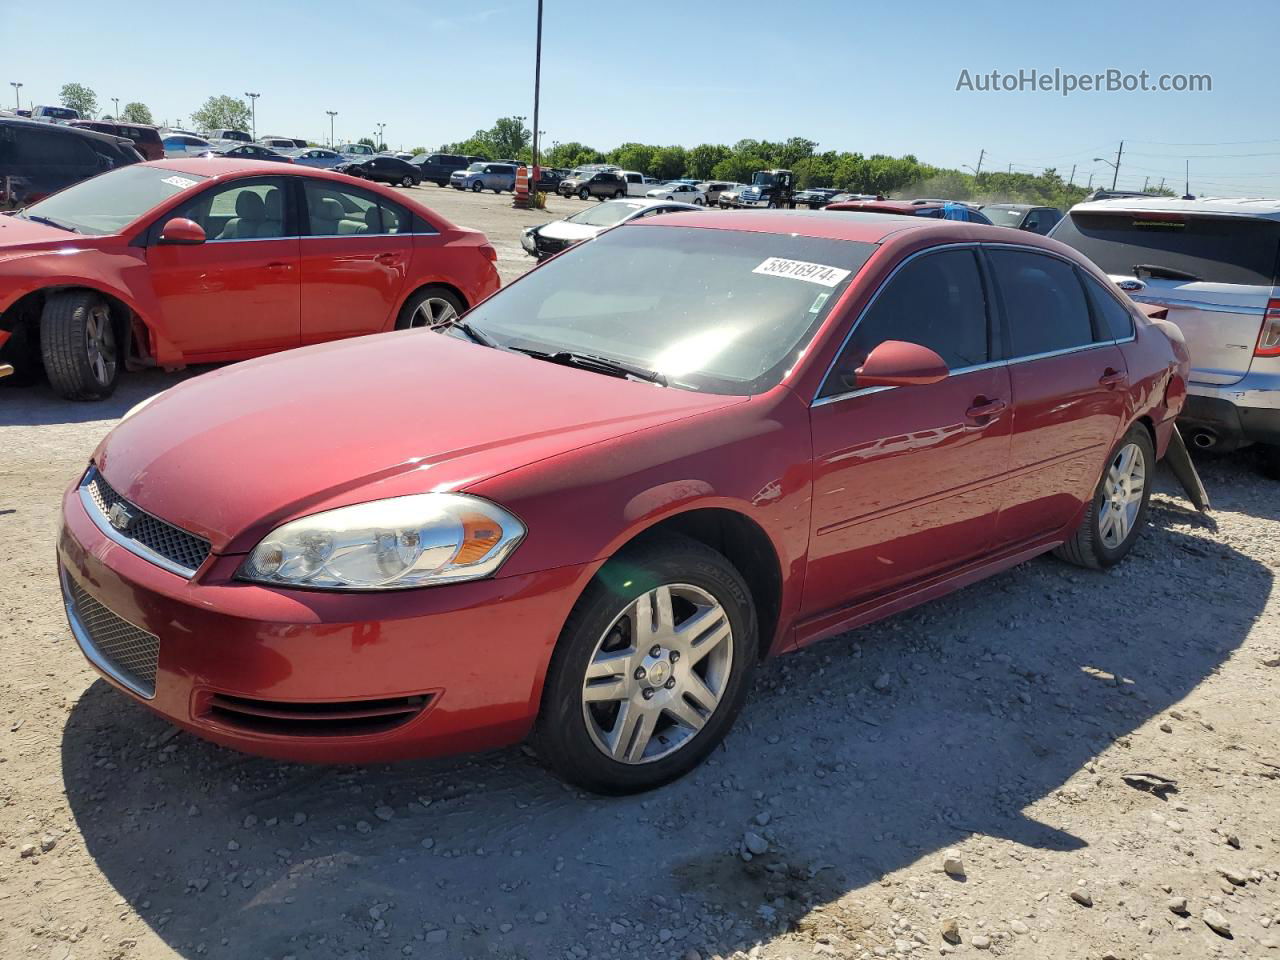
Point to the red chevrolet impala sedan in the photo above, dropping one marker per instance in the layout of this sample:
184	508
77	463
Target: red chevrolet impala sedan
199	261
690	444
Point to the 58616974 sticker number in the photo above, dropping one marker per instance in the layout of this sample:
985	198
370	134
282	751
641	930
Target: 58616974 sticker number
802	270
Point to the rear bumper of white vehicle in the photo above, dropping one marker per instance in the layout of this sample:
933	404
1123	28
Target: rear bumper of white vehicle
1234	415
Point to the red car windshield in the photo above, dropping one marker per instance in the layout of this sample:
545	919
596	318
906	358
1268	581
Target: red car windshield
719	311
111	201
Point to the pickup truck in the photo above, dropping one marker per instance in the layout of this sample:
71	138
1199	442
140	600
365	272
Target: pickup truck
638	185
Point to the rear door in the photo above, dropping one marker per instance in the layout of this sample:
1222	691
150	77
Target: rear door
1068	379
355	253
907	480
1232	263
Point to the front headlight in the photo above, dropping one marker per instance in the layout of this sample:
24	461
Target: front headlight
394	544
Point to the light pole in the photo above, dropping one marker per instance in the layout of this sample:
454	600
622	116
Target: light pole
1113	166
253	112
116	101
332	114
17	92
537	90
378	145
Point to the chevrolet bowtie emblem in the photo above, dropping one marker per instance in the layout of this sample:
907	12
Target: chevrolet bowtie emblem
120	517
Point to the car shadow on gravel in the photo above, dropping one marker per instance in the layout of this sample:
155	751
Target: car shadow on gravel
853	759
37	404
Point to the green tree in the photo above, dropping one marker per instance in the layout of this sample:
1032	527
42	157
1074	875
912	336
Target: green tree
702	159
509	137
571	154
136	112
79	98
633	156
668	163
219	113
368	142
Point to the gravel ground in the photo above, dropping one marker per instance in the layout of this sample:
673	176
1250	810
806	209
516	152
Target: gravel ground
996	767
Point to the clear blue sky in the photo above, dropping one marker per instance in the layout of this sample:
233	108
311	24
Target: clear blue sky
871	77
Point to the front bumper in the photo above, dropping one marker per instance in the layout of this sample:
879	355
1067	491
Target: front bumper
316	676
1233	415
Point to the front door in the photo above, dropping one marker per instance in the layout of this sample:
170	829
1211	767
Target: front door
238	293
356	248
907	480
1069	398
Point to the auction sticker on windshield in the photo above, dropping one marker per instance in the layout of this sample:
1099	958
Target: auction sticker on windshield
802	270
180	182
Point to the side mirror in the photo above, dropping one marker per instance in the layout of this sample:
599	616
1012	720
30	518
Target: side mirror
896	363
182	231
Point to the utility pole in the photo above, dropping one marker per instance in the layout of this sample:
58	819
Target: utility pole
1011	168
116	101
332	114
378	145
978	169
1116	174
253	113
1162	184
1090	186
1145	181
537	92
17	92
1071	179
1188	183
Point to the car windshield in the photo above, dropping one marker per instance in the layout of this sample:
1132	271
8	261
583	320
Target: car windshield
1005	216
718	311
1213	249
111	201
605	214
762	179
59	113
477	167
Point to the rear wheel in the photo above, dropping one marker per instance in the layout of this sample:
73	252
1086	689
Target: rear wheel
650	670
406	181
617	194
442	183
78	343
431	308
1116	514
584	194
698	201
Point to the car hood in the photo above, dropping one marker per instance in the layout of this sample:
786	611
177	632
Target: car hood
19	236
563	230
233	453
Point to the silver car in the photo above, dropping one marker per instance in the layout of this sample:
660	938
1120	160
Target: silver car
1213	263
550	238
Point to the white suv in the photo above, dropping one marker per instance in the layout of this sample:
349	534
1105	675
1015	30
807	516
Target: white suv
1215	264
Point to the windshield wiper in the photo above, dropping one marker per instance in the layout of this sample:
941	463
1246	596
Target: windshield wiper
589	361
1165	273
48	222
475	335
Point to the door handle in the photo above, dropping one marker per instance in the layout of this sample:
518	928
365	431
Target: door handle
1112	378
388	258
983	411
279	265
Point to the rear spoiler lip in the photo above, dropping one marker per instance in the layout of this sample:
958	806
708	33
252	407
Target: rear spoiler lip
1153	311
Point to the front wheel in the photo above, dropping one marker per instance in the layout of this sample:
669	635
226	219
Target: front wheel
584	194
1116	514
1270	459
477	187
617	194
78	343
431	308
650	670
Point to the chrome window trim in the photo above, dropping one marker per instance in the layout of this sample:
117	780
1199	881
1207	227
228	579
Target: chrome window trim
90	649
366	236
1007	362
133	546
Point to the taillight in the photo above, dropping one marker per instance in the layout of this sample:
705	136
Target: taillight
1269	338
492	254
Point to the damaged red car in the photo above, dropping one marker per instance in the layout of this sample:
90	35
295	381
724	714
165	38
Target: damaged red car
178	262
668	454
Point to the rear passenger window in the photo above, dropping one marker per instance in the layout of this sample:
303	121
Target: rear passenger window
1044	304
343	211
1114	320
936	300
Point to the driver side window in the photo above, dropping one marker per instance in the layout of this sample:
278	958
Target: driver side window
241	210
936	300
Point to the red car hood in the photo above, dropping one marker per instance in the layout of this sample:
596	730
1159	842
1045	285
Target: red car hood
231	454
25	236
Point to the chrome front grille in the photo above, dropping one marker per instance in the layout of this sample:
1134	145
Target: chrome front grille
146	535
116	646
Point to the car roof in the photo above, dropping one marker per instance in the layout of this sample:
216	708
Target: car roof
1262	207
64	130
226	168
858	227
908	207
1024	207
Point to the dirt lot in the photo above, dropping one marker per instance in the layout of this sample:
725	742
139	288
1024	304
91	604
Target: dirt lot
1001	722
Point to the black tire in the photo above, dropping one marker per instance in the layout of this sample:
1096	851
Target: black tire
405	319
699	202
617	194
561	733
477	186
407	181
584	194
1269	460
442	183
1087	548
75	369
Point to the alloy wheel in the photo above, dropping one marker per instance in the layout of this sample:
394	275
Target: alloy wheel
100	344
1122	495
657	674
433	313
